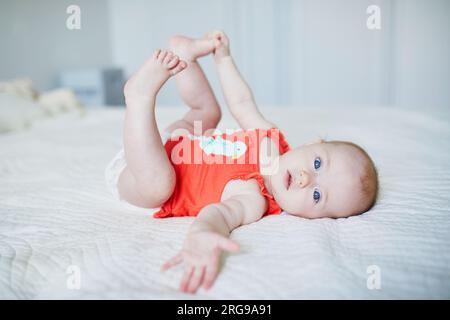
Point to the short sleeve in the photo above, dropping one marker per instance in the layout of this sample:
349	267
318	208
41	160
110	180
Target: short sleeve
279	139
272	205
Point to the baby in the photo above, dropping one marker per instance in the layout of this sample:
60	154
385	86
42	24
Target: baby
225	179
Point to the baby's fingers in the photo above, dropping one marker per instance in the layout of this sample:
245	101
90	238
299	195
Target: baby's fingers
186	278
172	262
196	279
211	272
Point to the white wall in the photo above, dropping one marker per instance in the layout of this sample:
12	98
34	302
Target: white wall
292	52
140	26
421	53
260	49
341	61
36	43
316	52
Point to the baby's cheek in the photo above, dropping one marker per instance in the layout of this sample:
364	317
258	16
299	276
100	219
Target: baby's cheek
295	202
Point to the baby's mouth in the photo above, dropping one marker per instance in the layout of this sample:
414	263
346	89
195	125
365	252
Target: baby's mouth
287	179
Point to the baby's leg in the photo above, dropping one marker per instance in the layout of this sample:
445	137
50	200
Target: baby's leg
193	85
149	178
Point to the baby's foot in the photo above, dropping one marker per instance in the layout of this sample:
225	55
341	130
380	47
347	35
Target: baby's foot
191	49
222	44
149	79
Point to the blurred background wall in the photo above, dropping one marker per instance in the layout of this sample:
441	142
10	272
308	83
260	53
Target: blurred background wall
292	52
35	42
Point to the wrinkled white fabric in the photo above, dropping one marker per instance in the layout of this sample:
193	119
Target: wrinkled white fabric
58	219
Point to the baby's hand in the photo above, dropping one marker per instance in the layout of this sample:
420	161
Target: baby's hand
221	42
200	254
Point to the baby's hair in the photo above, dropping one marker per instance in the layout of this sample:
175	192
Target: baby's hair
369	179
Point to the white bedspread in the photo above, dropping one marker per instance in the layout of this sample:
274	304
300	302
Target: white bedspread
55	212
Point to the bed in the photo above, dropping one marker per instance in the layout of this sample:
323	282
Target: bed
62	235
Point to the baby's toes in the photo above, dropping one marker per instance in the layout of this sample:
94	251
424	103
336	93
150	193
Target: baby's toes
172	62
162	55
168	57
178	67
156	54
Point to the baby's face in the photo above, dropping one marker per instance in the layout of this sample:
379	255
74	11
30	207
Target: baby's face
319	180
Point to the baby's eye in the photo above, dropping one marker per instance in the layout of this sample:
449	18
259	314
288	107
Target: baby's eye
316	195
317	163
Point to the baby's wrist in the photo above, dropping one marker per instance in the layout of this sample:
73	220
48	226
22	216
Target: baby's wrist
198	227
223	59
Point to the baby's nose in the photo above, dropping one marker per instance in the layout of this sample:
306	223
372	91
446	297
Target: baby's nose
304	179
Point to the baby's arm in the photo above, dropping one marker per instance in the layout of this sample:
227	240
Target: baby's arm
238	94
208	236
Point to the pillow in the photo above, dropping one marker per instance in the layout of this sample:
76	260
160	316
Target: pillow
17	113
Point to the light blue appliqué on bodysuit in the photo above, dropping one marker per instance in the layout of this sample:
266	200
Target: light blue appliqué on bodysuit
220	146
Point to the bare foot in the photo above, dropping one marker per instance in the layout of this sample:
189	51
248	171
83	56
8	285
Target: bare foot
222	44
192	49
149	79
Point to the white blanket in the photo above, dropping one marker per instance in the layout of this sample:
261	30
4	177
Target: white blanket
58	223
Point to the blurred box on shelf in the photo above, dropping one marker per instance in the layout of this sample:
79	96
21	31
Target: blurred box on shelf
95	87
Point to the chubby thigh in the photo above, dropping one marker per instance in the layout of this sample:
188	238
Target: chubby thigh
124	186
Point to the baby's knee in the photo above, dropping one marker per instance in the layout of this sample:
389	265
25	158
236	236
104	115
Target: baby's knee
213	117
157	192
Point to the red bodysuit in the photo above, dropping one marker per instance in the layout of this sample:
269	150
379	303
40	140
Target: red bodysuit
205	164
